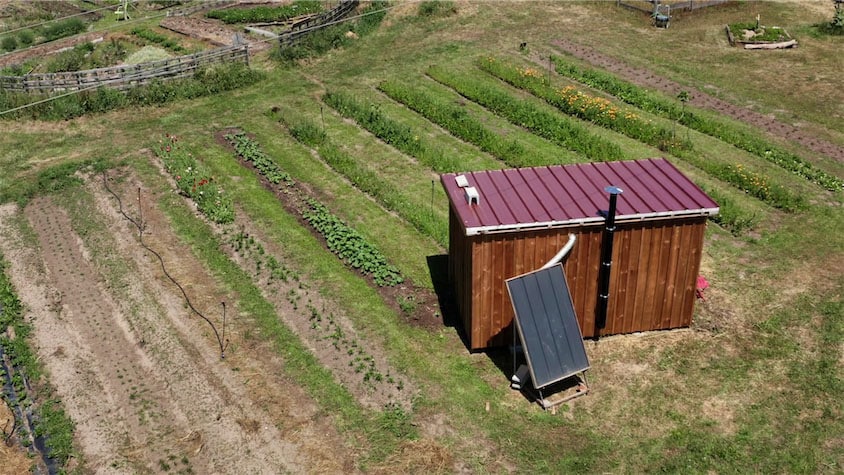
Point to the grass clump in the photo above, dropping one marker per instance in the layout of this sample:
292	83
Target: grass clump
158	39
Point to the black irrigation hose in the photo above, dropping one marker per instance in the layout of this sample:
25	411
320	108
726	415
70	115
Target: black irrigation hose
139	224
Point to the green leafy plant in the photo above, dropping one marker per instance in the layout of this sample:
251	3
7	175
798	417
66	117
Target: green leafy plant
350	245
250	151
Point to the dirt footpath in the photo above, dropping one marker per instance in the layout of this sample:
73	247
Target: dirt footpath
701	99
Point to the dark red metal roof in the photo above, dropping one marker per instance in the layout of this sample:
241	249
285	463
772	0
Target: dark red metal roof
552	196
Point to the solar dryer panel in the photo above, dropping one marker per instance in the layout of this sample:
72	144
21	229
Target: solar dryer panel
547	325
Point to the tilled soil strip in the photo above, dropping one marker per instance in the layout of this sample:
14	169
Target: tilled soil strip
645	78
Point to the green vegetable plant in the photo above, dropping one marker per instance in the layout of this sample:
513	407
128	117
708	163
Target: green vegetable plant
350	245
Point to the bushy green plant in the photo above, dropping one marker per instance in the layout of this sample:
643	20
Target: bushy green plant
9	43
194	181
26	37
266	13
158	39
71	60
62	29
559	129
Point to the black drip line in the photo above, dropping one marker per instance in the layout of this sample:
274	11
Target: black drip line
221	341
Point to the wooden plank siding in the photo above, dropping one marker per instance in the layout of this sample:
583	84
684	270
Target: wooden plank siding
655	266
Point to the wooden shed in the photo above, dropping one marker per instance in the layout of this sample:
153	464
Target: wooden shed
504	223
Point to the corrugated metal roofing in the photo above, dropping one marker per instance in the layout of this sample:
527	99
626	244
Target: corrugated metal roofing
547	325
554	196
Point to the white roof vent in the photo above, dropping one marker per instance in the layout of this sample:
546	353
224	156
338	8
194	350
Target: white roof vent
461	180
472	196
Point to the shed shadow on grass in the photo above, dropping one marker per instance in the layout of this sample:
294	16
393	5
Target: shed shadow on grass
501	357
438	269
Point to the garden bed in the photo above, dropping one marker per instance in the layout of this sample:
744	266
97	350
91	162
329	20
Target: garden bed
754	36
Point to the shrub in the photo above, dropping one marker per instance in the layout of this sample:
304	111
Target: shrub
9	43
63	28
26	37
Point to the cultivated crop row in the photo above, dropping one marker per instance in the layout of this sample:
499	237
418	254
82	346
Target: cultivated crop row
340	238
561	130
664	107
263	13
457	121
584	106
602	112
49	419
392	132
388	195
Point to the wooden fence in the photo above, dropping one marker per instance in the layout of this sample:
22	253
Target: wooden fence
299	30
124	77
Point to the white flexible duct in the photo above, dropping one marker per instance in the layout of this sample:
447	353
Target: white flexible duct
560	255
